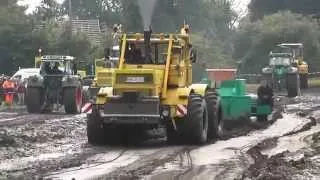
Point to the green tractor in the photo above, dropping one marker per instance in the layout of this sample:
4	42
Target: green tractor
58	84
280	74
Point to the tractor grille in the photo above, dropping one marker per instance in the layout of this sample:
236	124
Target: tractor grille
126	106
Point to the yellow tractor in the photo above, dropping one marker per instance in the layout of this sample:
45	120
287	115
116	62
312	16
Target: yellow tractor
296	49
152	88
104	67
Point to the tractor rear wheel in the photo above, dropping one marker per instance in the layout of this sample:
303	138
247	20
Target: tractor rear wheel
197	119
212	106
221	126
304	81
33	100
293	85
72	100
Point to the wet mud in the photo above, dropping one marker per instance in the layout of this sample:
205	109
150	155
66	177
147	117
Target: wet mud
54	146
278	166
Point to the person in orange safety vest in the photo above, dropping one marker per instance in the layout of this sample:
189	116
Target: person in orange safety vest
9	89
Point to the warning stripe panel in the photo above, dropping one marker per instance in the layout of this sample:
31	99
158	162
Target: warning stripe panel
86	108
181	110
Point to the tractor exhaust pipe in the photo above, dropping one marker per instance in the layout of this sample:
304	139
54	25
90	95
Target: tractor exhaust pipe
147	44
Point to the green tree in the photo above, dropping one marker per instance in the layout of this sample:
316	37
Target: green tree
15	35
259	8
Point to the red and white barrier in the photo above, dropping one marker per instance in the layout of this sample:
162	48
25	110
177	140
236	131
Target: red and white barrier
87	108
181	110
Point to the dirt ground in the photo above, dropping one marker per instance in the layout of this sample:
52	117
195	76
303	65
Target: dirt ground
54	146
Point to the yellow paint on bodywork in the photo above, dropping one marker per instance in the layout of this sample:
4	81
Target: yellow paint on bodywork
199	88
103	94
177	96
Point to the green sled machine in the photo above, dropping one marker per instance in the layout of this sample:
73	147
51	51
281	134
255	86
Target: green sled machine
236	103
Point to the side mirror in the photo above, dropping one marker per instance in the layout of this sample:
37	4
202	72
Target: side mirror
193	56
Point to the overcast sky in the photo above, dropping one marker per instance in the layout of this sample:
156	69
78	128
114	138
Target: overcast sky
240	5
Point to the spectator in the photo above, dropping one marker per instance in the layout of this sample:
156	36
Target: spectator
2	78
9	89
20	90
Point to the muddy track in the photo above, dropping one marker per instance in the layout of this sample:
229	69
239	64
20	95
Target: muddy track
276	166
55	146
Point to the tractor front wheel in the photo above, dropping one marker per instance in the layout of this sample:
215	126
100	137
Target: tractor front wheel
304	81
33	100
197	119
72	100
95	130
293	85
212	106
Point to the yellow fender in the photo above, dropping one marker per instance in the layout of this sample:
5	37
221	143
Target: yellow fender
199	89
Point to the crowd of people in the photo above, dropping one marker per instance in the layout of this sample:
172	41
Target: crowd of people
12	90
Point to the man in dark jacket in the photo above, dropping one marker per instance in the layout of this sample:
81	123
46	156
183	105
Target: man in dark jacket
265	93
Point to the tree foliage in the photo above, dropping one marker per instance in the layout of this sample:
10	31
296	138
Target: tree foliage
15	36
259	8
211	24
254	40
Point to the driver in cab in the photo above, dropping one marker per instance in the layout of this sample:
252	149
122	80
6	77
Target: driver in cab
48	69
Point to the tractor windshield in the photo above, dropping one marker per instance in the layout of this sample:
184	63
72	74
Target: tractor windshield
280	61
135	52
53	67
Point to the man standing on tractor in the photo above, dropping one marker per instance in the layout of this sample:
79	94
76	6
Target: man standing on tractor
265	94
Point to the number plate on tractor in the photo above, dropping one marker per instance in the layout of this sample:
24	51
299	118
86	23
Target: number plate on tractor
135	80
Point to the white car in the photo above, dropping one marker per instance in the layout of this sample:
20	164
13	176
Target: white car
26	73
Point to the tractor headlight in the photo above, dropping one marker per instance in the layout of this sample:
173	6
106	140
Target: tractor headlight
165	113
267	70
292	70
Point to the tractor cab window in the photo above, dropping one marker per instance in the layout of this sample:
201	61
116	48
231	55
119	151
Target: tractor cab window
280	61
177	54
51	68
135	53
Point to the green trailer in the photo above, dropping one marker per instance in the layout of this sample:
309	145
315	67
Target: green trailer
236	103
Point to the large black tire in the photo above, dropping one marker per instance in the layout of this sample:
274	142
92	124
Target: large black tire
304	81
212	106
197	119
293	85
33	100
221	125
95	130
72	100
